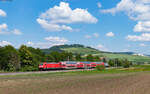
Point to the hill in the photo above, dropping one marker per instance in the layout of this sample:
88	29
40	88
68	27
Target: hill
83	50
74	48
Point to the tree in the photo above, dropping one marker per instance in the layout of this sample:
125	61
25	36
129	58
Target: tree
117	62
37	54
111	63
28	63
89	57
49	58
96	58
78	57
13	58
9	58
57	56
126	63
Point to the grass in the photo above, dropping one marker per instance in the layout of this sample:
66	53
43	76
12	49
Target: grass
80	50
86	51
118	81
125	56
136	68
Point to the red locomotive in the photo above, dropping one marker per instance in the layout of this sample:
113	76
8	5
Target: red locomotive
69	65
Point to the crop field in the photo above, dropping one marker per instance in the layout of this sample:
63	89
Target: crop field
112	81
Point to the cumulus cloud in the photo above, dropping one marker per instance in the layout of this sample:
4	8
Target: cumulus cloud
56	39
94	35
4	43
29	43
2	13
142	26
43	45
53	27
99	5
137	10
17	32
59	17
4	30
133	8
142	37
110	34
50	41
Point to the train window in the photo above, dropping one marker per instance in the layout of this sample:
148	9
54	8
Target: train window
70	62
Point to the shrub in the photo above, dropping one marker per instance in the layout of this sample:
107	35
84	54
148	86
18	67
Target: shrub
126	64
100	67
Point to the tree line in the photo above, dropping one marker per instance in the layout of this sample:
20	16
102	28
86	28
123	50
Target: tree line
28	58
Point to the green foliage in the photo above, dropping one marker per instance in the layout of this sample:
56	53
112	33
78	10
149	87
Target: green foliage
78	57
100	67
26	57
126	64
111	63
97	58
9	58
29	58
59	56
89	57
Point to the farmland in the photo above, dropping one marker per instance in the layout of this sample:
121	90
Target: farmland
133	80
80	49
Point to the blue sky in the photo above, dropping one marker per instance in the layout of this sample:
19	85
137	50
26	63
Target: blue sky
109	25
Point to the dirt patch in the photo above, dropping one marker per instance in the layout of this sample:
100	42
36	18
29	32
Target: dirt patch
131	83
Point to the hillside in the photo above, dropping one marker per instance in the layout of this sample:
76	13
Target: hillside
75	49
83	50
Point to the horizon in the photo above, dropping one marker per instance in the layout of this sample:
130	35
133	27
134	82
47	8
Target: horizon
114	26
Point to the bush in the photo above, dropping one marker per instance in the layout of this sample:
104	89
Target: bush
100	67
126	64
29	68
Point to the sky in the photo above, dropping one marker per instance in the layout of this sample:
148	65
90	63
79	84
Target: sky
107	25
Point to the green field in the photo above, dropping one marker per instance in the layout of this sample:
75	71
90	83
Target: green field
86	51
118	81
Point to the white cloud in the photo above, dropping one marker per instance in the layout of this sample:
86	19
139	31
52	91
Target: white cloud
142	26
29	43
99	5
43	45
2	13
133	8
142	37
137	10
50	41
4	30
58	17
142	45
110	34
56	39
17	32
53	27
88	36
4	43
101	47
3	27
96	35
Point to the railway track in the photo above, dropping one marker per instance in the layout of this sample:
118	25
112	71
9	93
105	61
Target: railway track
39	72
